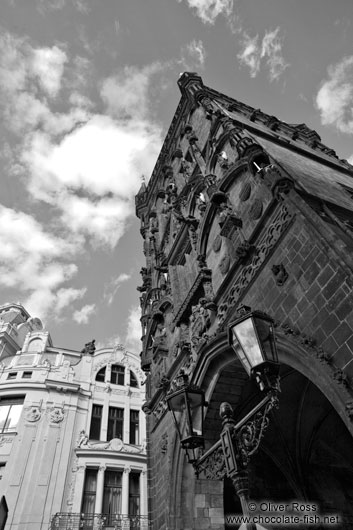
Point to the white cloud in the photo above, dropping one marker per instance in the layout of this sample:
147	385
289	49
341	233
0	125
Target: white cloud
133	334
31	261
250	54
208	10
335	97
193	55
270	51
48	66
113	286
13	64
44	6
84	162
86	165
93	173
126	93
350	160
83	315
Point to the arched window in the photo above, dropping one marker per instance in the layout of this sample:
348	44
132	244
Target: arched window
101	374
133	380
35	345
117	375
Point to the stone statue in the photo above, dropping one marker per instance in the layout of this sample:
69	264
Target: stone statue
83	440
89	348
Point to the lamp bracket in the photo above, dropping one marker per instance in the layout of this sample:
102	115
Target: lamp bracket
246	436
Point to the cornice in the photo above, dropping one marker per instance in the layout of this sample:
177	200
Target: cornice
62	386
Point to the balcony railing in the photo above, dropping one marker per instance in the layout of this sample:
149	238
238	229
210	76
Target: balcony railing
83	521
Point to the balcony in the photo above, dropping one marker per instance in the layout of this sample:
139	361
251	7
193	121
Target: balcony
82	521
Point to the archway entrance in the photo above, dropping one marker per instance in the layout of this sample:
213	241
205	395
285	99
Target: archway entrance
306	456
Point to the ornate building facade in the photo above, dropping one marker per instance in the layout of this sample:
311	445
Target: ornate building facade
72	441
243	209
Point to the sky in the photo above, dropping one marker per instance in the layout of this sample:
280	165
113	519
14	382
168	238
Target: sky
87	92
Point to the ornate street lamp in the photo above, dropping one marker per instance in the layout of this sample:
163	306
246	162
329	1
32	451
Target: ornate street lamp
252	337
187	405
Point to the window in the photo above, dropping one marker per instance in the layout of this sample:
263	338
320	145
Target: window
12	375
96	421
134	427
10	412
117	375
89	492
133	380
101	374
134	494
2	469
112	495
27	375
115	423
35	345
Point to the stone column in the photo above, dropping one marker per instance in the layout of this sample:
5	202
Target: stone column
126	426
100	490
105	413
240	481
125	492
143	493
77	488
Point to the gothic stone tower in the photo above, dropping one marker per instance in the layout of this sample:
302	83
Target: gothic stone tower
243	208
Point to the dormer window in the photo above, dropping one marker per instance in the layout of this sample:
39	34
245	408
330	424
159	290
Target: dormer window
117	375
101	375
35	345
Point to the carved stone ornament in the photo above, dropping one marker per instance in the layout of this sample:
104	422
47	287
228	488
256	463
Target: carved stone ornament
89	348
279	224
245	192
33	414
56	415
280	274
349	409
164	443
224	264
255	211
217	243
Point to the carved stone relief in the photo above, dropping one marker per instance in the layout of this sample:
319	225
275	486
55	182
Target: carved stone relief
269	240
256	209
224	264
245	192
33	414
217	243
56	415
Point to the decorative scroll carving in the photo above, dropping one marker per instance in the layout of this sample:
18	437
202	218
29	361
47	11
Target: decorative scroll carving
213	466
263	249
249	436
